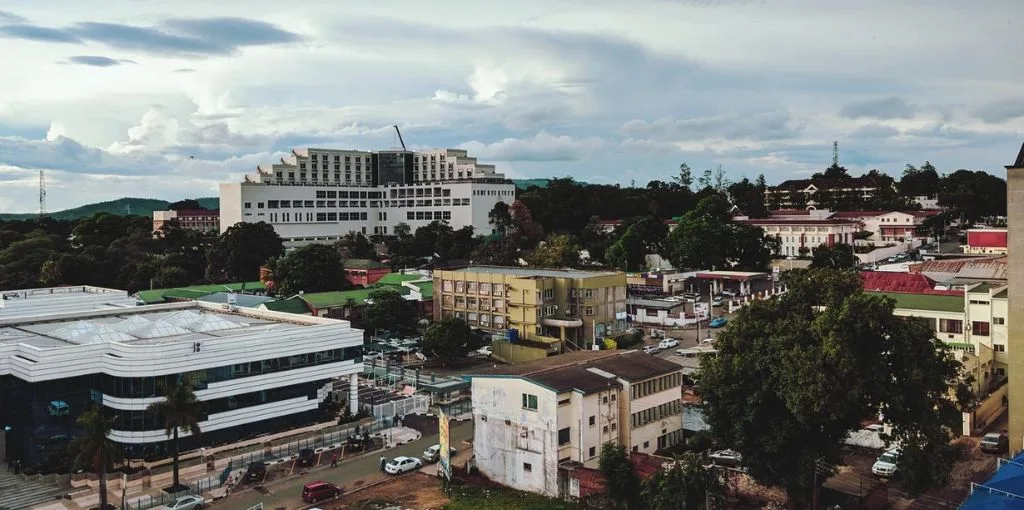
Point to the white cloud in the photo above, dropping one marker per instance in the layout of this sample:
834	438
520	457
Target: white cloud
542	147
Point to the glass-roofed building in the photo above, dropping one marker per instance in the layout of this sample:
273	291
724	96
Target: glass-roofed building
255	372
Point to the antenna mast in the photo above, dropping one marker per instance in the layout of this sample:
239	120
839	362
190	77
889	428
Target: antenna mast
42	194
835	153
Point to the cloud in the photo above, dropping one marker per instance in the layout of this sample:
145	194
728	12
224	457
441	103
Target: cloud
10	17
182	37
883	109
995	112
758	125
98	61
542	147
874	132
184	70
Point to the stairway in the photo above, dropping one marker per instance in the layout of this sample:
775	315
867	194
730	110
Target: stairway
17	493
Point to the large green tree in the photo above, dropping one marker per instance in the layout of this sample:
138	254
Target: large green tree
559	250
94	447
816	361
621	482
707	237
688	483
388	310
450	338
355	245
924	181
973	195
181	411
313	268
241	250
628	252
838	256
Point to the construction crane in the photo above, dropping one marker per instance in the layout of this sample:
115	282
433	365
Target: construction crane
400	137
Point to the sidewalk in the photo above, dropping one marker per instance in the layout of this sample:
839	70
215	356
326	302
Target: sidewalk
210	480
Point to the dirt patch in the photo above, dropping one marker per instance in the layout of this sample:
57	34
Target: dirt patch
417	491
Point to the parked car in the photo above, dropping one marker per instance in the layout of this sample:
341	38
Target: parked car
717	301
668	343
306	457
185	503
484	351
319	491
994	442
728	293
433	454
372	355
399	465
651	349
718	322
256	472
726	457
887	463
59	408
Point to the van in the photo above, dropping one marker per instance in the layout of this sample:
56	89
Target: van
319	491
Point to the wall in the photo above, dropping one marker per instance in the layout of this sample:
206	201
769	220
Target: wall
514	353
507	437
881	254
989	410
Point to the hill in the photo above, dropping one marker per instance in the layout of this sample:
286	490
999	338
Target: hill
540	183
137	206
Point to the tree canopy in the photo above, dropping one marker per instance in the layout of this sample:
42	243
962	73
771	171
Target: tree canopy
241	250
450	338
313	268
837	257
816	372
707	237
388	311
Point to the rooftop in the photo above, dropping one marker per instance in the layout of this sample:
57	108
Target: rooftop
585	371
398	278
339	298
143	325
534	273
58	300
196	291
363	264
914	283
927	302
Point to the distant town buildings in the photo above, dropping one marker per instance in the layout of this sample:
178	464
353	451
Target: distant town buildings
202	220
319	195
533	417
820	192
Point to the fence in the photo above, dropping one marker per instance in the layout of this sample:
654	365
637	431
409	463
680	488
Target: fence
147	501
416	404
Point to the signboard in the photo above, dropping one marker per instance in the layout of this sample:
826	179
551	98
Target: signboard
775	273
444	466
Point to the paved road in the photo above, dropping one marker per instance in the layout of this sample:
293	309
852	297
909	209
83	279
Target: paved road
286	492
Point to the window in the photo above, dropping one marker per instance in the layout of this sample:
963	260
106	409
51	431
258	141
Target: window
979	328
951	326
999	347
527	467
592	421
529	401
589	310
999	321
563	436
592	452
647	444
248	205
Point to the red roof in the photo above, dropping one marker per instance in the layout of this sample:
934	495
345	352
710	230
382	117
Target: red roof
909	283
779	221
857	214
790	212
199	212
995	238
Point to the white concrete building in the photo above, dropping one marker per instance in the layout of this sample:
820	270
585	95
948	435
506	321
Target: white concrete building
319	195
799	237
254	371
531	417
889	226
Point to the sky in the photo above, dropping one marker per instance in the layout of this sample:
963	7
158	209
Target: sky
161	99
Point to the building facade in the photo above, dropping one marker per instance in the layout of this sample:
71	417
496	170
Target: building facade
987	241
319	195
822	192
1015	265
206	221
889	226
254	372
533	417
577	307
800	237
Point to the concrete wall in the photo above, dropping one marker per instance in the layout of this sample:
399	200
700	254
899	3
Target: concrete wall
514	353
1015	328
881	254
990	409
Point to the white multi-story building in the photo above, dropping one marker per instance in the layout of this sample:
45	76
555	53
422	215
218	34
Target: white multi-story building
319	195
799	237
532	417
254	371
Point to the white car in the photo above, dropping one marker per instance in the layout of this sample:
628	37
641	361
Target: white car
484	351
651	349
399	465
185	503
887	463
726	457
668	343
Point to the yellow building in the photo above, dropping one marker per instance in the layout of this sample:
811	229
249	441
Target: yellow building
540	305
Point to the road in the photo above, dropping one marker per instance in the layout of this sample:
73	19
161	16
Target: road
286	492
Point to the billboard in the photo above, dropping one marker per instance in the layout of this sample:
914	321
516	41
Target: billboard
444	465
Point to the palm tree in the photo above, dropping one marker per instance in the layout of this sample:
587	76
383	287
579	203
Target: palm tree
95	448
180	410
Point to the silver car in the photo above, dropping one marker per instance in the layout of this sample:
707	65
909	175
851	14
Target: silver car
185	503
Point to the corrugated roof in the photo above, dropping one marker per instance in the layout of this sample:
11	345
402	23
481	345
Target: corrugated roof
195	291
929	302
885	281
339	298
398	278
290	305
562	372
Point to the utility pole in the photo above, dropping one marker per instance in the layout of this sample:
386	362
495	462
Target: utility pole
42	194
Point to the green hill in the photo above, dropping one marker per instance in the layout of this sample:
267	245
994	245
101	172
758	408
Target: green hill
540	183
137	206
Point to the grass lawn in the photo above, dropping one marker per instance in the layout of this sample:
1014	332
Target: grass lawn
478	498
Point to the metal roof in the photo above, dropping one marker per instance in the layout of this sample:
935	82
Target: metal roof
57	300
533	273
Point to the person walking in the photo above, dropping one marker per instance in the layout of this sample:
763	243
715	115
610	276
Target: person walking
334	460
383	462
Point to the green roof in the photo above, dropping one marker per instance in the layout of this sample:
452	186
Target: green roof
339	298
363	264
398	278
925	301
981	287
290	305
194	291
426	288
1001	294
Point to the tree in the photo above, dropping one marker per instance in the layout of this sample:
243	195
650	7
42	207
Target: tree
686	484
818	360
242	249
595	239
934	226
313	268
558	250
450	338
620	479
917	182
525	232
355	245
834	171
387	310
973	195
748	197
181	411
839	256
708	238
651	230
500	218
189	204
95	448
627	253
685	177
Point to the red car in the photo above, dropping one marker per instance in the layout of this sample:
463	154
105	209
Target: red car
319	491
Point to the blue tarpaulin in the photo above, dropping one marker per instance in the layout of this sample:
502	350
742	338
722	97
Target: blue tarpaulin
1004	491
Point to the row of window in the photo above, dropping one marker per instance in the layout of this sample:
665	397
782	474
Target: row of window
485	320
420	192
322	217
350	194
428	215
656	385
641	418
493	192
472	303
330	204
483	288
142	387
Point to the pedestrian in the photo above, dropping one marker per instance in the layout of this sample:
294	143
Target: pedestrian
17	467
10	465
383	462
334	460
